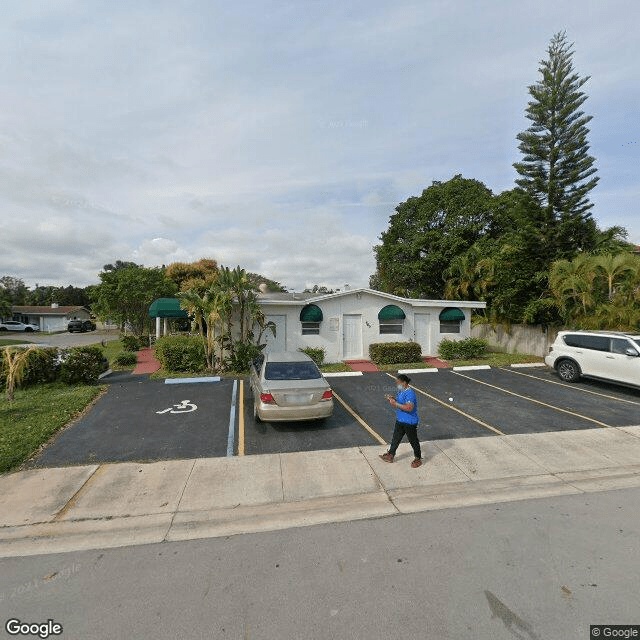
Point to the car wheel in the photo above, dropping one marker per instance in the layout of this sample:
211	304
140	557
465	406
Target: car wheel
568	370
256	417
28	329
3	328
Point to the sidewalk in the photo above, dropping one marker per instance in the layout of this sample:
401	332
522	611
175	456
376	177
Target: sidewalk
112	505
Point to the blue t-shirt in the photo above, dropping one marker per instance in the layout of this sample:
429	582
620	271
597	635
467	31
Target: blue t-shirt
408	417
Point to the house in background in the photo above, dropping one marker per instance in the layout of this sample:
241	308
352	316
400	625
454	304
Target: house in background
347	322
53	318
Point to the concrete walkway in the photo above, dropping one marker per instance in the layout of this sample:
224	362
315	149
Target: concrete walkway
112	505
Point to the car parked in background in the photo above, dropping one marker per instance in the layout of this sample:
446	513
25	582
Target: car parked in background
606	355
80	325
14	325
288	386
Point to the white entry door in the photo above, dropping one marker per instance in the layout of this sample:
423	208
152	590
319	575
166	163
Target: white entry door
422	326
279	341
352	336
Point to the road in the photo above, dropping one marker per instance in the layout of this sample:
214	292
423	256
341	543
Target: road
65	339
535	570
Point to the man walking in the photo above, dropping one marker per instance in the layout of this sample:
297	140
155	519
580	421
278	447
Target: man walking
406	405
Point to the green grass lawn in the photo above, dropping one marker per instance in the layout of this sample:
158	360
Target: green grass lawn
5	342
335	367
35	415
111	350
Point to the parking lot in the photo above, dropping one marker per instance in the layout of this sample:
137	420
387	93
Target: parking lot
139	419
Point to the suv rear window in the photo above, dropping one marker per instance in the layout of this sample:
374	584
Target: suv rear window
597	343
291	371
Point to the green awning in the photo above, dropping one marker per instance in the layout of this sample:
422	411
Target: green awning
451	315
391	312
167	308
311	313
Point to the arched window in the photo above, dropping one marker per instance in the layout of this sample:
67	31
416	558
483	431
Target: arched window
450	320
391	319
311	317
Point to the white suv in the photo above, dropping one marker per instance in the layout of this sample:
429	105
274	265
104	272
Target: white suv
607	355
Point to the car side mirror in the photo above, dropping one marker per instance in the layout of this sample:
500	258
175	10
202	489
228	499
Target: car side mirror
631	352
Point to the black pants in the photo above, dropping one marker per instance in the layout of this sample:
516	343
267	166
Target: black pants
411	431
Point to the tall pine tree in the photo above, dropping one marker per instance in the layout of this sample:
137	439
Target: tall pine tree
557	169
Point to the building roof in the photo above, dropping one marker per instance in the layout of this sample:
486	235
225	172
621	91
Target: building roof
47	310
304	298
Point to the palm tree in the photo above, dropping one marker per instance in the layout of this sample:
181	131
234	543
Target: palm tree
571	283
614	268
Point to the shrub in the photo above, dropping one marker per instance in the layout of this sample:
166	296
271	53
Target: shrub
243	354
181	353
465	349
82	365
126	358
394	352
42	365
130	342
448	349
317	354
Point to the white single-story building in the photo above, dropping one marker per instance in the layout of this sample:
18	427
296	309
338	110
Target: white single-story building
347	322
49	318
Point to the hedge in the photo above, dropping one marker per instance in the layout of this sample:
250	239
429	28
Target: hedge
181	353
130	342
463	349
395	352
316	354
82	365
43	365
126	358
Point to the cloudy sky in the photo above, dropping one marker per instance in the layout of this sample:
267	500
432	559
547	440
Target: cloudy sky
279	135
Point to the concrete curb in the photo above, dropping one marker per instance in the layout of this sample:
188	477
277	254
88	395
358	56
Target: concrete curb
341	374
89	507
528	364
423	370
474	367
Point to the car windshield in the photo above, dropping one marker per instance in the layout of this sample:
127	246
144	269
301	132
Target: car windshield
291	371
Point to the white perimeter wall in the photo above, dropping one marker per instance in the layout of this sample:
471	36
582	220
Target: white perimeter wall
368	305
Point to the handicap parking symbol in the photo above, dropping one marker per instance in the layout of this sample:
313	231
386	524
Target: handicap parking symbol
183	407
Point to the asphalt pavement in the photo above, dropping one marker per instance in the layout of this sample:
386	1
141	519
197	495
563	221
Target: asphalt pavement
534	570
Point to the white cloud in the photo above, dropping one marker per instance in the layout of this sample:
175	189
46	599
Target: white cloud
280	140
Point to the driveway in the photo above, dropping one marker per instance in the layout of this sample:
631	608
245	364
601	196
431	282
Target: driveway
139	419
66	339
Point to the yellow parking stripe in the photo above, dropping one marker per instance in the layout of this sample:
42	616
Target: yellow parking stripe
569	386
241	420
360	421
544	404
460	411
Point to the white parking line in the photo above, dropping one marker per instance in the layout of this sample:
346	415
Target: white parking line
573	387
460	411
232	421
544	404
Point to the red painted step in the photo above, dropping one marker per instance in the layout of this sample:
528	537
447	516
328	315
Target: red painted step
436	362
361	365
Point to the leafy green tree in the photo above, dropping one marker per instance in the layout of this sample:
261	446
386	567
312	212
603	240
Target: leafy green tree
14	289
125	294
427	232
5	306
184	274
556	167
